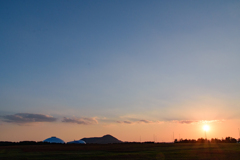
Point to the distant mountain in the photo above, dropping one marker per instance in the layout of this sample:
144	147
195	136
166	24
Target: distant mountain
102	140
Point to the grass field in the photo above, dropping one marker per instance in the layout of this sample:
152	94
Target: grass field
229	151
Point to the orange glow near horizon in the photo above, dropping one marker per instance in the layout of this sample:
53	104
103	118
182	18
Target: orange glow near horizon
158	132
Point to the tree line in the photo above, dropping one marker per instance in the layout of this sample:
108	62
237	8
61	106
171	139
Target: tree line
213	140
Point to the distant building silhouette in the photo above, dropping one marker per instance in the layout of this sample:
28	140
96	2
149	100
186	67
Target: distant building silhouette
53	140
77	142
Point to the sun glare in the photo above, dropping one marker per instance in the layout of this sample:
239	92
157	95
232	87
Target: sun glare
206	127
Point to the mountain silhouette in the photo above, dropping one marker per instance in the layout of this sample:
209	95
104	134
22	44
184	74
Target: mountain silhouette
102	140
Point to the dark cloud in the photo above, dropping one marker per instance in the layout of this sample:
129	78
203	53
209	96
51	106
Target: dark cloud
28	118
85	121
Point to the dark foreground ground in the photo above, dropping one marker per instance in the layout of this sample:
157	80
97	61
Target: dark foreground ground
186	151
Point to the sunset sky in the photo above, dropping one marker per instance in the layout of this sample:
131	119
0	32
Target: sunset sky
140	70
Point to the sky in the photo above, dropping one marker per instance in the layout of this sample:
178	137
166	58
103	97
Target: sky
139	70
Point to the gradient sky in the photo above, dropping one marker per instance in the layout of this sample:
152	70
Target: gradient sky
129	68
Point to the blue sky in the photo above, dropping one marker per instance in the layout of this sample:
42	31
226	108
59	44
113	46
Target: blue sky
155	60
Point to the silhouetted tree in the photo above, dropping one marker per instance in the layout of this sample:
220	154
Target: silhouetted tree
230	140
175	141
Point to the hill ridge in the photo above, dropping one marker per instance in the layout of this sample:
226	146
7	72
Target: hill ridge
106	139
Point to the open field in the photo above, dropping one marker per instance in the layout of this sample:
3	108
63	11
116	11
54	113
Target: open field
187	151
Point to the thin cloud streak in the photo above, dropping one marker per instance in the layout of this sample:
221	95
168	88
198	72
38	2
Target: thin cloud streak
21	118
142	121
212	121
84	120
196	121
124	122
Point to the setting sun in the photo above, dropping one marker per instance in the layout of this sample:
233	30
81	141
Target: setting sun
206	127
